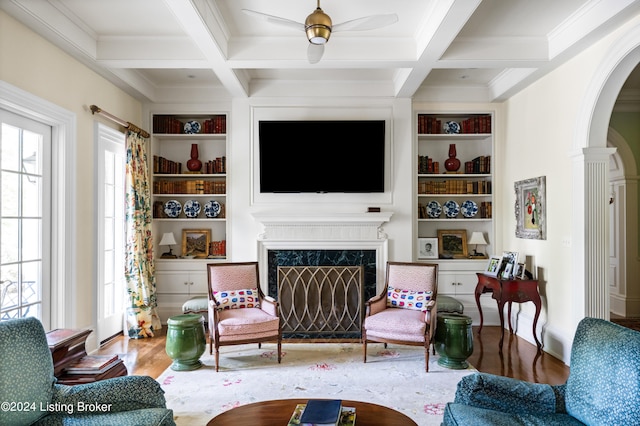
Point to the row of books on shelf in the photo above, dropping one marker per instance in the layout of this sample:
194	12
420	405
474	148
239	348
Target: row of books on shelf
198	186
218	249
454	186
428	124
169	124
323	412
484	211
163	165
479	165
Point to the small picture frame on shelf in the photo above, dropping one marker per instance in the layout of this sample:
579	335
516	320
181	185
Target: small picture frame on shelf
452	244
195	242
493	266
427	248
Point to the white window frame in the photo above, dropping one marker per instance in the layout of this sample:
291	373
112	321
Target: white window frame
63	196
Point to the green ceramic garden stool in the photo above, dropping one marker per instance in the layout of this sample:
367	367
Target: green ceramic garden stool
454	340
185	341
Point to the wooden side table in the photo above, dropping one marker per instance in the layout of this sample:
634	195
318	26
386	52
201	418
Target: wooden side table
67	348
509	291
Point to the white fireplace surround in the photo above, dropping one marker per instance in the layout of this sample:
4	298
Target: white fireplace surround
339	231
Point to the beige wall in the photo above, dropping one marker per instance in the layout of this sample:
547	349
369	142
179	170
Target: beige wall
540	128
38	67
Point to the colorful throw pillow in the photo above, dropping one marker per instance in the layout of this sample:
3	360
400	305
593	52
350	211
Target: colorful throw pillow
408	299
237	299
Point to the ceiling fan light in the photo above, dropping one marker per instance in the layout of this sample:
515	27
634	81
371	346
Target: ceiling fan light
318	27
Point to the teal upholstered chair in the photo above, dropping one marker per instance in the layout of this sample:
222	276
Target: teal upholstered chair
603	387
27	381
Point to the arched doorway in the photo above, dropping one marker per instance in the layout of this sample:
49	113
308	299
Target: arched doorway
590	263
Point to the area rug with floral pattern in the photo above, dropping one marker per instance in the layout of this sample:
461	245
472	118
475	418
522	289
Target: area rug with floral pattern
393	377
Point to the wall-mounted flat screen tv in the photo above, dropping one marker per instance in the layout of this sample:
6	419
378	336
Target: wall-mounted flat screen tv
322	156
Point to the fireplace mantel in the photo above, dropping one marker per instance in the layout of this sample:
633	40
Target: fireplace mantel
322	227
318	231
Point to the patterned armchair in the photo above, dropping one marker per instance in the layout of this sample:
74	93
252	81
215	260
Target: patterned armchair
27	382
603	387
405	312
239	312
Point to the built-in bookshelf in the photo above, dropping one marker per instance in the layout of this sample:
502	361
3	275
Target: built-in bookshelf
188	202
441	193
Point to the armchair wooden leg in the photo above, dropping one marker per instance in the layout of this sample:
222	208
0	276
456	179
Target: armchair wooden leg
426	356
217	358
364	351
279	351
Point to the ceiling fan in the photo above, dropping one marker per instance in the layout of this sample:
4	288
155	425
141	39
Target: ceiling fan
318	27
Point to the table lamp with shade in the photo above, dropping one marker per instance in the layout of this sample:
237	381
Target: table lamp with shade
477	238
168	240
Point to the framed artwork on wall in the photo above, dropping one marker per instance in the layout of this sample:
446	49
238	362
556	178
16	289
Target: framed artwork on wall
531	208
452	244
427	248
195	242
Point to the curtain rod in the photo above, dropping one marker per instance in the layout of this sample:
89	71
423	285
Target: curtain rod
97	110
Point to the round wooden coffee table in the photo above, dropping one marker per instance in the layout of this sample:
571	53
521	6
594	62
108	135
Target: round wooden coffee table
278	412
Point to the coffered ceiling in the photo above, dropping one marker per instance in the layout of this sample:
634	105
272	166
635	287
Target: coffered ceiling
438	50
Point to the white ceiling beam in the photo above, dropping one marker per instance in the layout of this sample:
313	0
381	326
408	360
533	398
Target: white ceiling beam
497	48
585	21
443	23
201	24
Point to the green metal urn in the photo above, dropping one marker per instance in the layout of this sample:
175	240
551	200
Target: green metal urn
454	340
185	341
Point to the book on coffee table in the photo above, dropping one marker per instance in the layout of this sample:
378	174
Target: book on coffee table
347	416
321	412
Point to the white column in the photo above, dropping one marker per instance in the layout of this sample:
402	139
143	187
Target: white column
591	231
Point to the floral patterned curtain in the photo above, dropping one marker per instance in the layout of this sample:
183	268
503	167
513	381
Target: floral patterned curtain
142	316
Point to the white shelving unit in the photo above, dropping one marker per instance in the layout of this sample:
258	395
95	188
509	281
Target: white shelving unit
179	279
472	182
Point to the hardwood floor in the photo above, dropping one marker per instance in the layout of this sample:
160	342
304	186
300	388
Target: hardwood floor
520	359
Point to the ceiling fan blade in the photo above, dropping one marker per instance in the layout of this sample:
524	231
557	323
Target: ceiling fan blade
275	20
367	23
315	52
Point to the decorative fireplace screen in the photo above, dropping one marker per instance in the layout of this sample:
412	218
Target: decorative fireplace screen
321	301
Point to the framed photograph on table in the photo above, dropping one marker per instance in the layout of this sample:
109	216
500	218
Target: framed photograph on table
531	207
509	262
427	248
195	242
452	244
493	266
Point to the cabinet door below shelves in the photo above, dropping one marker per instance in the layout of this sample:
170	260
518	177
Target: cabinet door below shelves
174	287
189	283
457	283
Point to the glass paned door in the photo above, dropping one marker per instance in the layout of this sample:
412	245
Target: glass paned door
25	152
110	193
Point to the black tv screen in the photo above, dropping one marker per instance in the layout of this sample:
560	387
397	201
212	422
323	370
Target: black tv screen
322	156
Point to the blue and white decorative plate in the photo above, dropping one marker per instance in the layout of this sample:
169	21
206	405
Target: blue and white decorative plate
434	209
452	127
212	209
469	208
451	209
172	208
192	208
192	126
